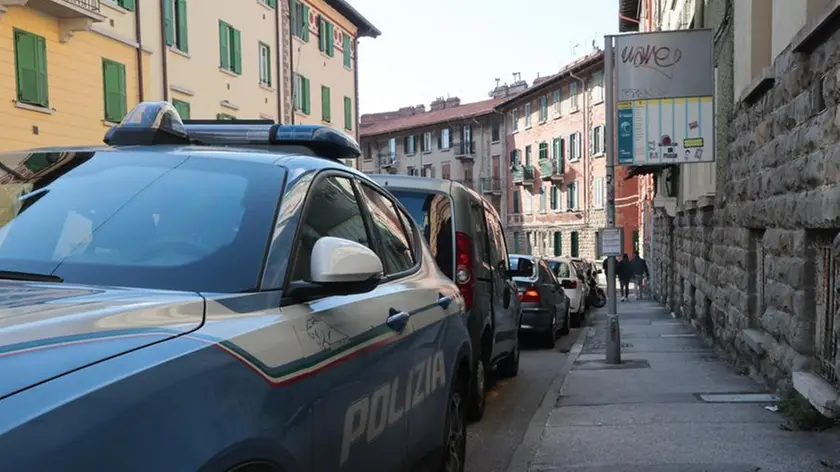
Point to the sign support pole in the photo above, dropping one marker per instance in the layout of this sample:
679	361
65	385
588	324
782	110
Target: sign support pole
613	331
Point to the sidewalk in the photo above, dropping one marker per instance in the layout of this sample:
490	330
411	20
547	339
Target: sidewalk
658	412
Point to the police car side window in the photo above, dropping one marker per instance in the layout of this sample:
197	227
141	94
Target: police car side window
396	253
343	220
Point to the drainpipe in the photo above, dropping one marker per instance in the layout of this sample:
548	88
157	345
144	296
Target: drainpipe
290	3
138	36
356	82
279	60
502	160
584	149
164	50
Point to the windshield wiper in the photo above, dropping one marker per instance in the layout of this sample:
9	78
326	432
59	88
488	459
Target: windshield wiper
29	276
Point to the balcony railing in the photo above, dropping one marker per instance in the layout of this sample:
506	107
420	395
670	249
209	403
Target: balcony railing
64	9
92	5
551	169
465	150
387	159
491	185
517	174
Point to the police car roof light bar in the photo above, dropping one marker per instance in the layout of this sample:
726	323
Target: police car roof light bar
159	123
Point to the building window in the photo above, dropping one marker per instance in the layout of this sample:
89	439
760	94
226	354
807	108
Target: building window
182	107
300	20
445	171
527	115
598	86
230	48
514	158
427	141
573	95
514	120
542	200
113	78
558	243
265	64
528	155
543	108
527	202
409	145
301	94
559	145
575	244
346	50
175	20
574	146
543	151
495	131
31	69
348	113
556	99
326	106
412	171
326	42
445	141
225	116
392	148
572	196
598	189
515	242
428	171
597	138
555	197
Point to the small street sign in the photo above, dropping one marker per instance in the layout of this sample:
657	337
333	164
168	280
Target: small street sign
611	241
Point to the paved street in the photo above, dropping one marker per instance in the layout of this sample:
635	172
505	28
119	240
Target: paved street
512	402
671	406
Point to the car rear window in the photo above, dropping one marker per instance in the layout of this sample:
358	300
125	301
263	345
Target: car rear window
433	214
515	263
560	269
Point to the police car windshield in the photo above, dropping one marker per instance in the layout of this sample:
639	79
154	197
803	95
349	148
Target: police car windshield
144	219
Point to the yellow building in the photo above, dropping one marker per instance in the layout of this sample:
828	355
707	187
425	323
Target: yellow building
71	69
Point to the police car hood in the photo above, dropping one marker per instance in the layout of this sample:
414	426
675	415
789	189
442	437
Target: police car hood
47	330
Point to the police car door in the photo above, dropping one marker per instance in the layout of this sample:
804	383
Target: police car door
356	381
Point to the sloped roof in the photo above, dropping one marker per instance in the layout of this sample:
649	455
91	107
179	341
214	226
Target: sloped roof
577	66
393	125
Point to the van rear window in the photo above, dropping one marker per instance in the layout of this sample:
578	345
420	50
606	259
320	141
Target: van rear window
433	214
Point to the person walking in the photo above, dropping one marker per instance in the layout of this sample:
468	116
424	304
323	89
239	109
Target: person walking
640	273
624	271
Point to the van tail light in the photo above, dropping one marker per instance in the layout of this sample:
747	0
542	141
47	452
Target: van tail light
530	295
573	284
463	267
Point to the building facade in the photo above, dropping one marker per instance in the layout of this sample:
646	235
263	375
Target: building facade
72	67
752	261
555	159
460	142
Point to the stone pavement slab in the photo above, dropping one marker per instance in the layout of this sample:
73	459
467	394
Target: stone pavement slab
652	415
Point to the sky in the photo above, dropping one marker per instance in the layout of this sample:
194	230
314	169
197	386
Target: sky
457	48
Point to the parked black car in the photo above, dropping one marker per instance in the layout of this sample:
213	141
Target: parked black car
545	306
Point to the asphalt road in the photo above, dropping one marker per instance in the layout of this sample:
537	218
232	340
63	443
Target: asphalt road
511	403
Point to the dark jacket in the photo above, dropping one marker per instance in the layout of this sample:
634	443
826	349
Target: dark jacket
624	270
639	266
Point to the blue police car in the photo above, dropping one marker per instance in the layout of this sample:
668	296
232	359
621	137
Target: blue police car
219	297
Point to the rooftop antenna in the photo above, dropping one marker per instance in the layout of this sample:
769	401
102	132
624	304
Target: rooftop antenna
497	81
516	76
573	47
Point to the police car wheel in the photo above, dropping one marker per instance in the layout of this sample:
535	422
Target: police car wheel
477	401
455	441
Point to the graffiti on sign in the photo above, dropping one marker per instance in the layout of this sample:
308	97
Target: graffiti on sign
661	59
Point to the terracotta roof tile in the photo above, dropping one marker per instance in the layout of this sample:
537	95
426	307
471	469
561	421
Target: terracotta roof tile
429	118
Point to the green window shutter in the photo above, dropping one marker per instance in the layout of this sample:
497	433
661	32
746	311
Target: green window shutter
169	22
325	103
127	4
330	40
558	243
305	94
181	15
348	62
236	45
304	23
113	77
272	3
183	109
268	64
516	201
348	113
224	45
322	34
553	197
542	200
31	68
569	190
575	249
515	242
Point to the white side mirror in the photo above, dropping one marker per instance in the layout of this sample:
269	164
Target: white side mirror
337	260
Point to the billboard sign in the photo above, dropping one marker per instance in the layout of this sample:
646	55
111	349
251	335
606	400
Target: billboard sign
664	90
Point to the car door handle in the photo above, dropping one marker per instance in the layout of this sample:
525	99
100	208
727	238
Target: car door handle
397	320
443	301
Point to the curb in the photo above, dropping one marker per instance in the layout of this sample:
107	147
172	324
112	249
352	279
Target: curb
522	455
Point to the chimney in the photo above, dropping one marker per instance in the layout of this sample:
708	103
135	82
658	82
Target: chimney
406	111
438	104
453	102
420	109
500	91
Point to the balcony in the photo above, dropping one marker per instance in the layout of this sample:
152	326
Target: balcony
465	151
73	15
551	169
528	175
491	185
517	174
388	161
